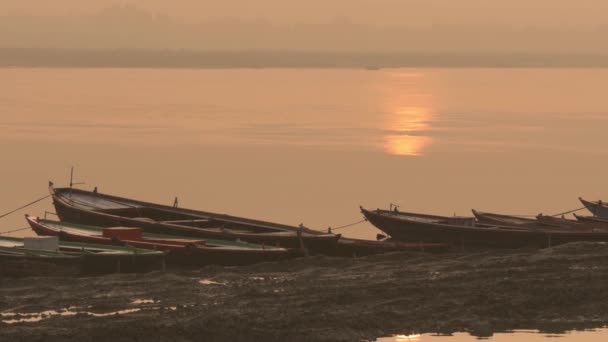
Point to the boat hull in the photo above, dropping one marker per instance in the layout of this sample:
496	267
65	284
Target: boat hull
315	243
464	236
178	253
598	209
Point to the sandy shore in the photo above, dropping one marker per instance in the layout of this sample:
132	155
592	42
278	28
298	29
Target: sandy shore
320	298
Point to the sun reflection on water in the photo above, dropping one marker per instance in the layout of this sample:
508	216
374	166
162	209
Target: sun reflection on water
406	125
404	338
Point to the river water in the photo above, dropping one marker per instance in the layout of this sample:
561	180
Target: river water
308	145
527	336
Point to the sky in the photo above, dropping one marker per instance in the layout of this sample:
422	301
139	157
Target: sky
360	25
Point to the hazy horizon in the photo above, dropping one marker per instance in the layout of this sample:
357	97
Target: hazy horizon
338	25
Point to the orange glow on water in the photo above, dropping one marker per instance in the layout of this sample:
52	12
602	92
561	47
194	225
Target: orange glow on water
406	125
406	145
403	338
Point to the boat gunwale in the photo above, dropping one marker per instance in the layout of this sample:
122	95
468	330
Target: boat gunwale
251	248
308	234
57	192
486	228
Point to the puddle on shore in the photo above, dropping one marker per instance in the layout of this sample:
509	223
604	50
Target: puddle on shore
31	317
144	301
519	335
209	282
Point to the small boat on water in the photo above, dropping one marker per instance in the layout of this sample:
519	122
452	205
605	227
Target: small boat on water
180	250
465	231
597	208
96	209
27	257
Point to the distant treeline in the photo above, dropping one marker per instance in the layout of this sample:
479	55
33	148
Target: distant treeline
19	57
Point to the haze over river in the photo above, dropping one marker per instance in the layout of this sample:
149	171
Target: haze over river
308	145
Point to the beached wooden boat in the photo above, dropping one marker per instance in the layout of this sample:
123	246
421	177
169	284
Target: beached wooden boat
96	209
180	250
596	222
505	220
72	258
348	247
465	232
565	223
597	208
540	221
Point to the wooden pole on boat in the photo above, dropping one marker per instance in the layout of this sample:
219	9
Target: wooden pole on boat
299	233
72	178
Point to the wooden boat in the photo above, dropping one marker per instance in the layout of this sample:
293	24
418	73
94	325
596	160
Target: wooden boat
597	208
564	223
540	221
595	221
181	250
92	208
72	258
505	220
465	232
348	247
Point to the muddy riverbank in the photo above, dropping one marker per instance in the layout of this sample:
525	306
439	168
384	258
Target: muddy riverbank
320	298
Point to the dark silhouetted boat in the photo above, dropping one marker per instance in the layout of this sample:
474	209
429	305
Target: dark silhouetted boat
596	221
92	208
465	231
540	221
358	247
180	250
597	208
505	220
73	258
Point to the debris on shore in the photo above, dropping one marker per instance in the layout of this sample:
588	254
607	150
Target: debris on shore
320	298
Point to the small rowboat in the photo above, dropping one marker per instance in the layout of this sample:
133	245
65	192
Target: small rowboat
597	208
93	208
595	221
539	222
73	258
180	250
566	223
348	247
463	232
505	220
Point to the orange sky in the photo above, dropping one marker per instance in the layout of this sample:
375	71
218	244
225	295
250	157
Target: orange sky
544	25
379	12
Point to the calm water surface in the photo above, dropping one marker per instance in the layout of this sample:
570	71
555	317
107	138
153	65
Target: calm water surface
308	145
527	336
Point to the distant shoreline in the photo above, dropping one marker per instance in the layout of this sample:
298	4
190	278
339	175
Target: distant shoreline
186	59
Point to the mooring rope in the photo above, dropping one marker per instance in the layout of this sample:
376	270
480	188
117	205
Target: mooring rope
350	224
571	211
16	230
25	206
564	213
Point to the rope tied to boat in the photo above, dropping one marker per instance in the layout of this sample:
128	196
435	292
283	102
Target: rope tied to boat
348	225
554	215
25	206
15	230
569	212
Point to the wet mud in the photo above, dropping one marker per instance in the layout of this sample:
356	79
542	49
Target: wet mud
319	298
